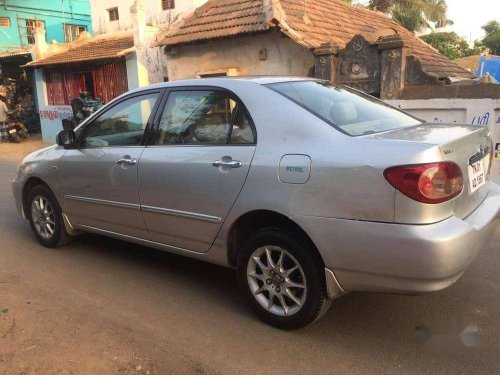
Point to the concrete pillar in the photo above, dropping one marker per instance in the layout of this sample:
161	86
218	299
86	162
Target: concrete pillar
393	66
138	19
137	72
325	65
145	64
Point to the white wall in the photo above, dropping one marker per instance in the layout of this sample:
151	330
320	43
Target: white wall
51	116
155	14
480	112
240	56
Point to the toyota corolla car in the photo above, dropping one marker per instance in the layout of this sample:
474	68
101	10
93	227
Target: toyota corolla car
310	190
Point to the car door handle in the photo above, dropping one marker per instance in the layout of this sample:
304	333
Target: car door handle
126	162
227	164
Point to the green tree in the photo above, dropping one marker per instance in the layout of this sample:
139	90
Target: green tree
451	45
492	38
413	14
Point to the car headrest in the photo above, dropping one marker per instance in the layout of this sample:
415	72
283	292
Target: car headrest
343	112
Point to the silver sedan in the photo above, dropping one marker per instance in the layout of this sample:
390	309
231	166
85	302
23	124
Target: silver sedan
310	190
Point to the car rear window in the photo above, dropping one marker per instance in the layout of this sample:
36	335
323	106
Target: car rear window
349	111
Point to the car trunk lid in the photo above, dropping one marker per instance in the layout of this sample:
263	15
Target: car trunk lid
464	145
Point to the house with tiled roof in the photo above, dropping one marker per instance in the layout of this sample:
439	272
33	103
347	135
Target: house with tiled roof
81	66
105	65
322	38
97	65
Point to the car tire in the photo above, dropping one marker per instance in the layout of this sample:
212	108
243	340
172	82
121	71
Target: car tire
303	291
45	216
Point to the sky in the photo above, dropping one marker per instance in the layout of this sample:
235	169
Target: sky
469	16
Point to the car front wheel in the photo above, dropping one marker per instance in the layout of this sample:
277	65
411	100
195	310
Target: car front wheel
45	217
283	279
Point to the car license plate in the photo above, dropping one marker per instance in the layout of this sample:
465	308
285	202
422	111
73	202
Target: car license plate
12	131
477	175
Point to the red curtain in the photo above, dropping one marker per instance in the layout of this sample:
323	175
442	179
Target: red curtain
55	88
110	80
64	86
74	84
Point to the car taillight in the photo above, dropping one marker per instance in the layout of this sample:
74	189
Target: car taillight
427	183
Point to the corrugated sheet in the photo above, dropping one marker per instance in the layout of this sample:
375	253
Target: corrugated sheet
14	52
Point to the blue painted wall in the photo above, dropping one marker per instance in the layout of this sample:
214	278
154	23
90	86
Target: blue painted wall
54	13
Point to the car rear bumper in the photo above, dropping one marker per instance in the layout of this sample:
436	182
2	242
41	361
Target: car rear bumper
384	257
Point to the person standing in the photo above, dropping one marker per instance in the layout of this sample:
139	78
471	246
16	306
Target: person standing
3	110
4	132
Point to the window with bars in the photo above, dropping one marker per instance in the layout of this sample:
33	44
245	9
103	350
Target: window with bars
72	32
31	26
167	4
4	22
113	14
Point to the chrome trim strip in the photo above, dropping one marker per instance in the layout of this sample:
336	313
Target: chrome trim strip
157	210
132	206
189	215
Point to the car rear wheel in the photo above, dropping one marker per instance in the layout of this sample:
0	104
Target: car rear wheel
283	279
45	217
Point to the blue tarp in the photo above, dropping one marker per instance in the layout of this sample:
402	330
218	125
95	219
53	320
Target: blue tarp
491	65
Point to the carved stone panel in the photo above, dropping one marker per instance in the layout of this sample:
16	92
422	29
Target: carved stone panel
359	62
393	66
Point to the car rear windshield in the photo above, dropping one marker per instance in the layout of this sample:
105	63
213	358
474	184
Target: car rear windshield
349	111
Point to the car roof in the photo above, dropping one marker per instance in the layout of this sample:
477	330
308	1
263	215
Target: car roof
261	80
264	80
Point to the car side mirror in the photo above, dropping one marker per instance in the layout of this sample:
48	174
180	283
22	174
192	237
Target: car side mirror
66	138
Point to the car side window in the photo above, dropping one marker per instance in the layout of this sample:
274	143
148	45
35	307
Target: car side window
241	132
203	117
122	125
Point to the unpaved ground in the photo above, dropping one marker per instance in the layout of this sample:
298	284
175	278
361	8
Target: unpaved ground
102	306
16	151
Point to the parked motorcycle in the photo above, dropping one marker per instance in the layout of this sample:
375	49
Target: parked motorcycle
83	106
13	130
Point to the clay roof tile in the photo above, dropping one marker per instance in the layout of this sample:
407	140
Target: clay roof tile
309	22
103	47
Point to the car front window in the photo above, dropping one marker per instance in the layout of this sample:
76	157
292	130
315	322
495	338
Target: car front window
351	112
122	125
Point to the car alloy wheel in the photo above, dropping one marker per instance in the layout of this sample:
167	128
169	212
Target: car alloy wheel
283	278
276	280
42	214
45	216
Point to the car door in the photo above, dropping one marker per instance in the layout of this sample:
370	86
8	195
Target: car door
99	177
195	167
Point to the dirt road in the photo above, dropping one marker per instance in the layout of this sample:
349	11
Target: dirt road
102	306
16	151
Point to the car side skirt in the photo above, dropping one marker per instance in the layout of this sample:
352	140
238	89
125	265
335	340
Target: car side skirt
211	256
